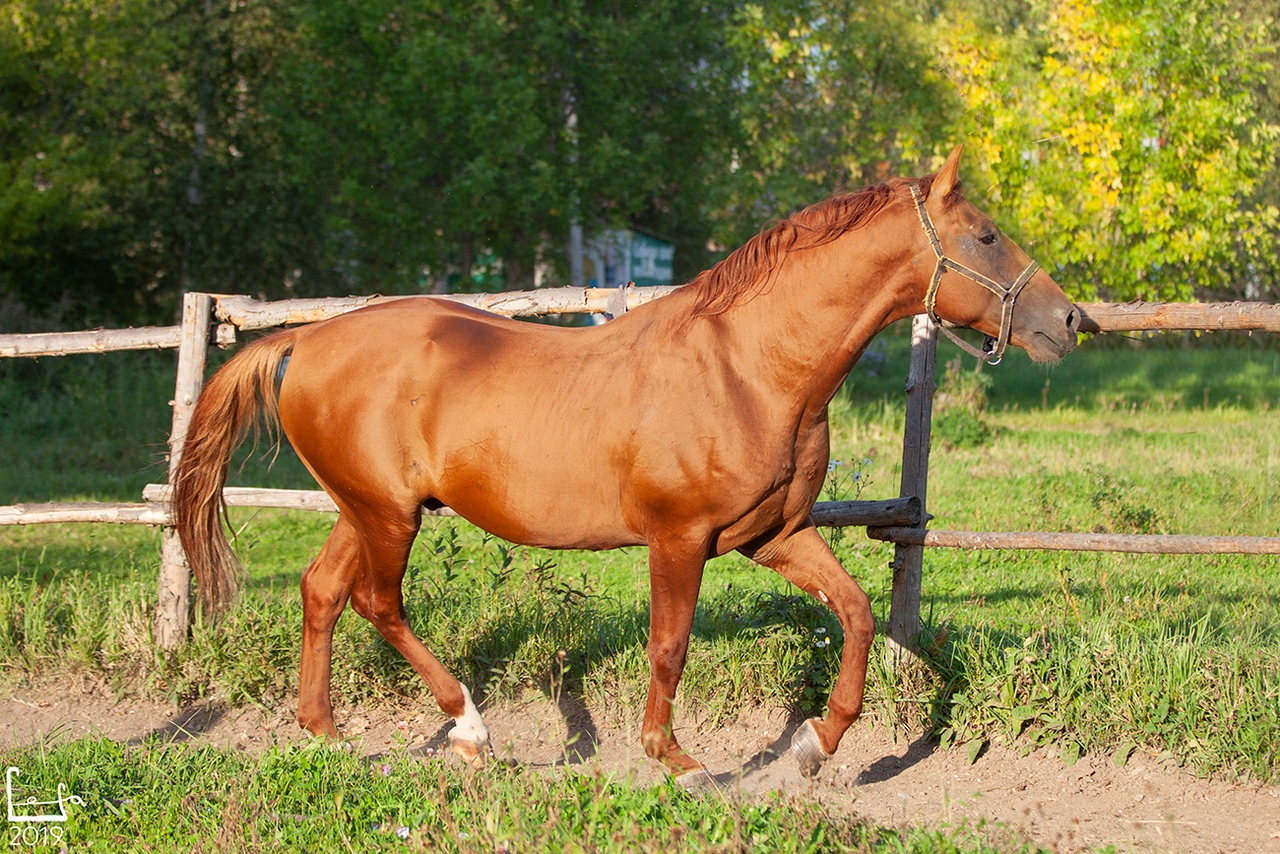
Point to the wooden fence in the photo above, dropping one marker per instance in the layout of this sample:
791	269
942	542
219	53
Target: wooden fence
215	319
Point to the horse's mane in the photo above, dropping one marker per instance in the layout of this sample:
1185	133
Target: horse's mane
741	275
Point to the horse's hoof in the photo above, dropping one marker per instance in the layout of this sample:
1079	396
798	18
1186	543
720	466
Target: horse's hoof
697	781
474	753
807	749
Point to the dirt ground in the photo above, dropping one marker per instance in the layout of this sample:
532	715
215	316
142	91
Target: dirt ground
1144	806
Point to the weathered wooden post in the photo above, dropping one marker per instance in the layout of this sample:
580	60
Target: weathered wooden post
908	560
173	605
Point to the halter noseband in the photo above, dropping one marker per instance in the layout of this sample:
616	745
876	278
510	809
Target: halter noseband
993	348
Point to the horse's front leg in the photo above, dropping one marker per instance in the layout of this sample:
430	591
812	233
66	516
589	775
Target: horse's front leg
805	560
675	575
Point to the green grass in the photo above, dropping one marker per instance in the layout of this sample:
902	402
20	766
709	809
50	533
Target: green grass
95	428
1103	654
160	797
90	427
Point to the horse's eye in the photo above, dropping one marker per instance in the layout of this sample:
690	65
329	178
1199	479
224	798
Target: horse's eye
987	239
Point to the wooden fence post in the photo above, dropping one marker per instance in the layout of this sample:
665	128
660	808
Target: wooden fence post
173	605
908	560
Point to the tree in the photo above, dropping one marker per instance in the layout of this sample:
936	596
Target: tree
831	94
70	132
290	148
430	132
134	160
1259	17
1121	142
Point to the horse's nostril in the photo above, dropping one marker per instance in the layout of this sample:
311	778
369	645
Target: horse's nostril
1073	321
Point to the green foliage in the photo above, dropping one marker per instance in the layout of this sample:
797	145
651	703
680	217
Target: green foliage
1121	141
149	147
135	159
71	148
430	134
296	149
832	96
1260	16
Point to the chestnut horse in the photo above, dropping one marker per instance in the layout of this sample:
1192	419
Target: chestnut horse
694	425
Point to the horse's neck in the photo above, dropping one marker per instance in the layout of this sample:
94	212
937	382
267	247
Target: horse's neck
824	304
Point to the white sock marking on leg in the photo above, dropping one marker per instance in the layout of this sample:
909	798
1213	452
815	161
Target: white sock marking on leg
469	725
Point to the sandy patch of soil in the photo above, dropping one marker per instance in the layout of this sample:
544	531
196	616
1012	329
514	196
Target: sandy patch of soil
1144	806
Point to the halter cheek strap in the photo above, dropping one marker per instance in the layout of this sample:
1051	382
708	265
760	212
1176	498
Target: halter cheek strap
993	348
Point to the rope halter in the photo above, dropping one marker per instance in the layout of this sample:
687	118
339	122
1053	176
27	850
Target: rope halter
992	348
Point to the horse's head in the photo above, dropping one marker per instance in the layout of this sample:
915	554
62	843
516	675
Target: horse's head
983	280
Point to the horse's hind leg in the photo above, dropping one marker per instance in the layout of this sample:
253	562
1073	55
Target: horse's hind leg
675	575
806	561
378	597
326	585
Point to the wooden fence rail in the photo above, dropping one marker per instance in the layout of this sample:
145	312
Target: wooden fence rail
36	344
246	313
1148	544
90	341
1179	316
60	512
217	318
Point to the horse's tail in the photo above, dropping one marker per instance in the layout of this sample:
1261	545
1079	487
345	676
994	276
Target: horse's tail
243	391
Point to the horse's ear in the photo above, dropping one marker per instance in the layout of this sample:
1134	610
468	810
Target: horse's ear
947	176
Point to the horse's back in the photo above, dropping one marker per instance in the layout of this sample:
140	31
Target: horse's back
508	423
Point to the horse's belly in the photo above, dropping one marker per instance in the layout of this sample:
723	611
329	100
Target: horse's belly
543	520
537	464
